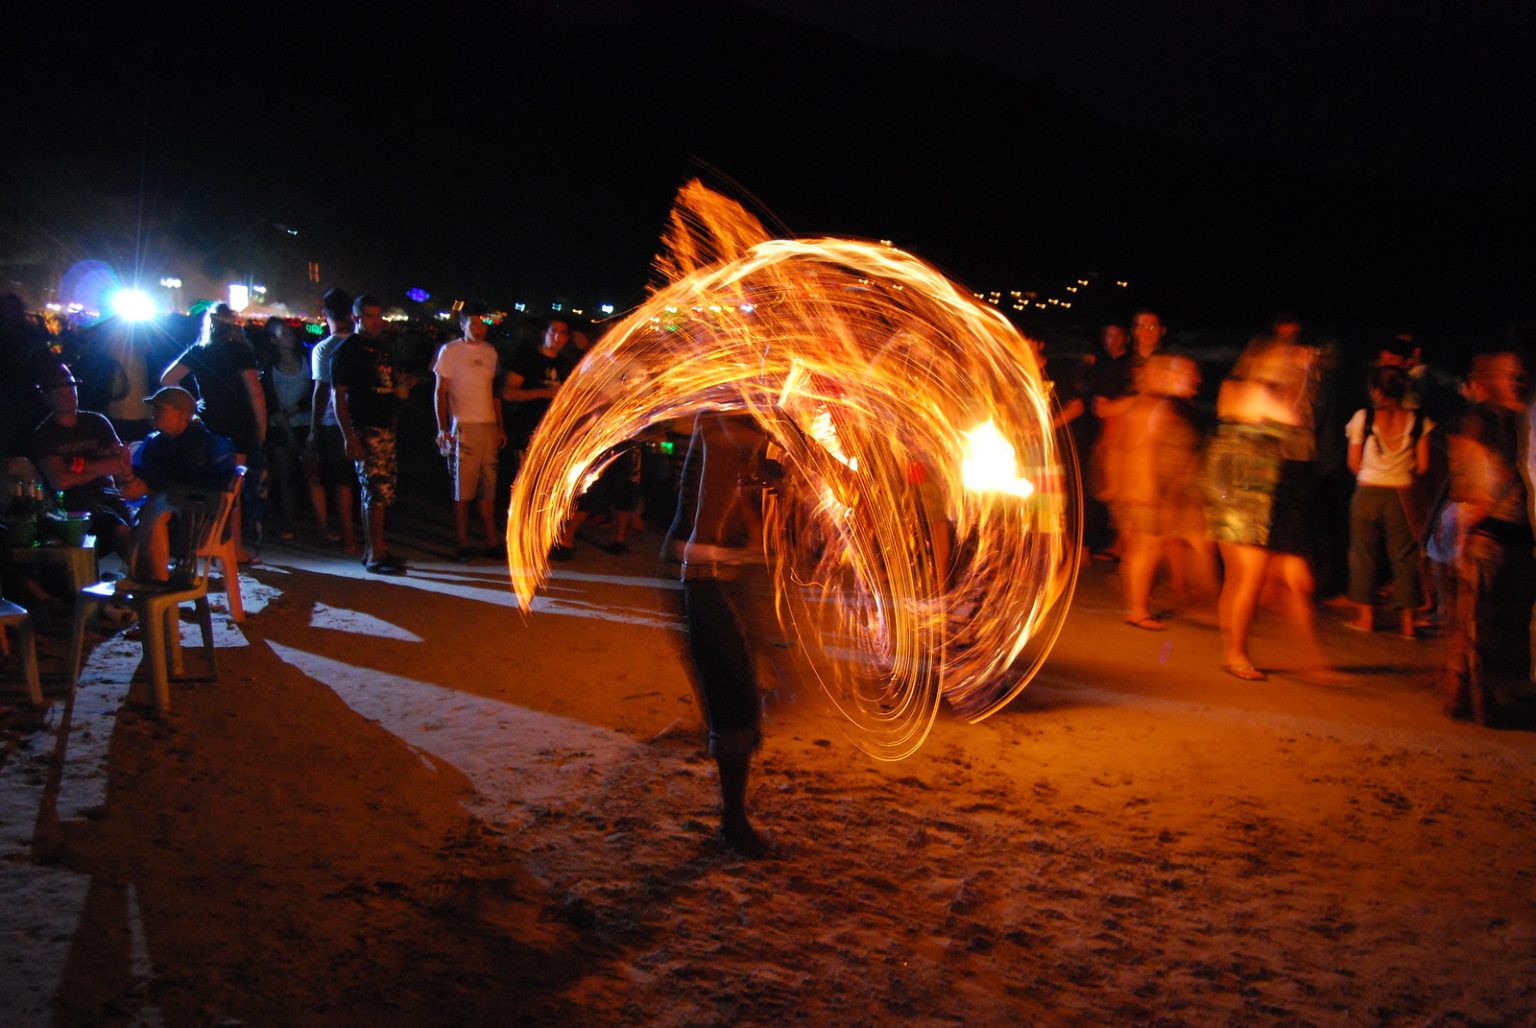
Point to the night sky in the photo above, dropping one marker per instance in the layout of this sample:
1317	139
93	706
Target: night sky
1367	164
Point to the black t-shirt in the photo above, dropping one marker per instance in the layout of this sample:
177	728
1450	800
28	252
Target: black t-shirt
90	438
1113	377
537	372
219	370
365	368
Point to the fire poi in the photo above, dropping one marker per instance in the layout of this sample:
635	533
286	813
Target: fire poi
923	541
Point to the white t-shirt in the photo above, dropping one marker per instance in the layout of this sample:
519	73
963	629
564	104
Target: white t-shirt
1385	461
321	358
469	369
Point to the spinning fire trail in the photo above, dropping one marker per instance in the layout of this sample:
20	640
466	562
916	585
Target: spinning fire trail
924	541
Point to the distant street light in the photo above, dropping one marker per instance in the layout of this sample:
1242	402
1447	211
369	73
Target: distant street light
171	282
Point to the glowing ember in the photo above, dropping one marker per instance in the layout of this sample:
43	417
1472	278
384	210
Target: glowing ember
912	559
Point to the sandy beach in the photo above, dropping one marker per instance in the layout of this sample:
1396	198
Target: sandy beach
402	802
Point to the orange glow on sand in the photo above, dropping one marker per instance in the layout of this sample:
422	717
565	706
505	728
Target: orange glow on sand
924	542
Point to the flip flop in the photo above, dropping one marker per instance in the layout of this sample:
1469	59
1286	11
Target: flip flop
1150	623
1247	672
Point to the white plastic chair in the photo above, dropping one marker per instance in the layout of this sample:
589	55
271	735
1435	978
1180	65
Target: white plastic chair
15	616
221	547
201	516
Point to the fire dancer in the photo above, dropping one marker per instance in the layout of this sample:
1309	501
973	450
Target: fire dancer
717	535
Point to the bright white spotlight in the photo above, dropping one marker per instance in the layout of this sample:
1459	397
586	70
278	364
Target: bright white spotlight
132	305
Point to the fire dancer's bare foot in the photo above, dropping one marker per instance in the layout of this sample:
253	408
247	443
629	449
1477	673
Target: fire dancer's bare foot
738	834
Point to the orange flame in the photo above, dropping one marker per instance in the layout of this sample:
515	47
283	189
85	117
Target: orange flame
912	559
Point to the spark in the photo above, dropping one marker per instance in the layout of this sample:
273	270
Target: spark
923	543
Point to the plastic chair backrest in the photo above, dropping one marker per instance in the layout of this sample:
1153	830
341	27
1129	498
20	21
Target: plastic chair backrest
202	515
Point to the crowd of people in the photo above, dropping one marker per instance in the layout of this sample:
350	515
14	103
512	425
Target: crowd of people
1404	489
1406	492
315	426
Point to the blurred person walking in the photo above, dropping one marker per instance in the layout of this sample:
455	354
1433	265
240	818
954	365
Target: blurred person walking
1258	473
1158	500
469	428
1115	390
1489	648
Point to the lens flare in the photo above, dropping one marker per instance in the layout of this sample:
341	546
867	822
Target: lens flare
923	538
132	305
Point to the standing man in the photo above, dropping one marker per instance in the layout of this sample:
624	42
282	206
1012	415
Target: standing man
325	452
469	420
533	377
368	390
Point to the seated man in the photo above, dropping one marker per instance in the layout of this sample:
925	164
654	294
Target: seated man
79	454
180	452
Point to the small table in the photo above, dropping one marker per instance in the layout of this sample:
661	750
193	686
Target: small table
78	563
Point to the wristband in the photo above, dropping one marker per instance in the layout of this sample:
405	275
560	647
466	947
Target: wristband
76	464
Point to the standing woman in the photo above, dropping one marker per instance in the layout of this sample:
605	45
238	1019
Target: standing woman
1258	496
1388	447
223	364
289	392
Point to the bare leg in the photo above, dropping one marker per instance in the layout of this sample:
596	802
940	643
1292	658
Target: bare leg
1239	602
343	497
568	536
488	516
1202	578
461	522
1364	618
317	500
1297	587
735	829
153	552
1138	565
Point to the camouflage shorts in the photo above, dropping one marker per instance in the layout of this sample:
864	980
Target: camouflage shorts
379	469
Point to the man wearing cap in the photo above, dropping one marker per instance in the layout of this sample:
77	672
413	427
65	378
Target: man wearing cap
325	451
81	456
369	391
180	452
469	421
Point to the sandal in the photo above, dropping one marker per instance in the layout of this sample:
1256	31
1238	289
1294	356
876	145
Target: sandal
1247	672
1150	623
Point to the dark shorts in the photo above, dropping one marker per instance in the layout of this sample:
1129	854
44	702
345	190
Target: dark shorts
108	514
335	466
723	671
379	470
